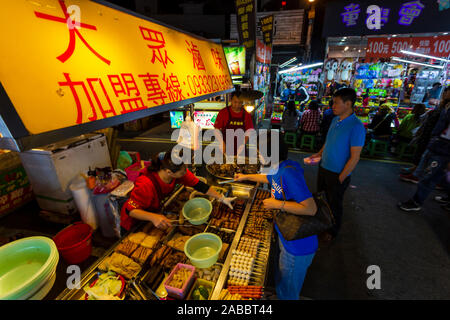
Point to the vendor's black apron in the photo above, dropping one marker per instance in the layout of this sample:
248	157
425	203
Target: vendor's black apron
234	123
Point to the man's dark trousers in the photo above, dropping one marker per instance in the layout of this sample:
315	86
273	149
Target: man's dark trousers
328	181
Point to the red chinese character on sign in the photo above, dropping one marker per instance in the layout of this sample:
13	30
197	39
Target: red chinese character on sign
173	88
105	112
155	92
128	80
73	32
217	59
74	84
158	43
196	57
125	85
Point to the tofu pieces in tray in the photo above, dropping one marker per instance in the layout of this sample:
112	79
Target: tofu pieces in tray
131	254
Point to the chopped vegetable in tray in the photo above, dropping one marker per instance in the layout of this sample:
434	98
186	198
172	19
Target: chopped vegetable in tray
107	287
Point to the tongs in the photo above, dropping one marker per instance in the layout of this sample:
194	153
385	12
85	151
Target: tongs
227	181
181	225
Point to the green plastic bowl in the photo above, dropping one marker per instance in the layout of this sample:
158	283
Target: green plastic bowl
197	210
203	249
26	265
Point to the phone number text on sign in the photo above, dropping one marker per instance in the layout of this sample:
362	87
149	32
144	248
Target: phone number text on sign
387	47
204	84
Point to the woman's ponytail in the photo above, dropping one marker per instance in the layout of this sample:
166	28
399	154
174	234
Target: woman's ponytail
155	164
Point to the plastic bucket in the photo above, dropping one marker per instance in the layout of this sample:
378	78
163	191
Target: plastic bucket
197	210
42	292
203	249
26	265
74	242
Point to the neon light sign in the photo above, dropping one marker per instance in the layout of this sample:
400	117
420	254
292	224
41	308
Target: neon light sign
377	16
409	11
351	14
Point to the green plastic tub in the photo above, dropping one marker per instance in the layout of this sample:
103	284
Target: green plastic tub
203	249
26	265
197	210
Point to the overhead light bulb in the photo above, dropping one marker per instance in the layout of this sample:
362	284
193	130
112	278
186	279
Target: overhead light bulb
249	109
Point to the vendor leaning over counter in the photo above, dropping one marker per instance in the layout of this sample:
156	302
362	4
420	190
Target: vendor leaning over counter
156	182
295	256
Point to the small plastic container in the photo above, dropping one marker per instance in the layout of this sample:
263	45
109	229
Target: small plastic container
201	282
180	293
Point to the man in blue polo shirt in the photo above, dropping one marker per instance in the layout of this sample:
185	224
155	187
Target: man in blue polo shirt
340	154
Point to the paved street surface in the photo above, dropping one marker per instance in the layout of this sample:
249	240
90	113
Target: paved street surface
411	249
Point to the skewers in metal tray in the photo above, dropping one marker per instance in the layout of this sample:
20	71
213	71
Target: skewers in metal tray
228	170
224	217
256	240
225	236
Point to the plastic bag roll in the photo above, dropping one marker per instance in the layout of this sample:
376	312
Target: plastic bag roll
85	204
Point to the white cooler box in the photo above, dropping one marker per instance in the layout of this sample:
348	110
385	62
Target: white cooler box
52	168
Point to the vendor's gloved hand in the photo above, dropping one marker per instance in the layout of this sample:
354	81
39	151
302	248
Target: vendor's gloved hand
227	201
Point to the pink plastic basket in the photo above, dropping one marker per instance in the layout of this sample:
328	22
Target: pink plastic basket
180	293
134	170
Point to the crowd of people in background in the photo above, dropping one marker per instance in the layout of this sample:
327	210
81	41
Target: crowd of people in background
425	128
433	140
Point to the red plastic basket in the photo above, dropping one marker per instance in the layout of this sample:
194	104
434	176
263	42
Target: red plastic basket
74	242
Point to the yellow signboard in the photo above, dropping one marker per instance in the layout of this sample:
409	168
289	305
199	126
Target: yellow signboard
64	63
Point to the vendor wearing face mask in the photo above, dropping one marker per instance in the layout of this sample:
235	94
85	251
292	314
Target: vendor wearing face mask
156	182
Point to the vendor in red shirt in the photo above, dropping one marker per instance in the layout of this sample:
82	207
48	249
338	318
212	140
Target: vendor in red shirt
156	182
233	117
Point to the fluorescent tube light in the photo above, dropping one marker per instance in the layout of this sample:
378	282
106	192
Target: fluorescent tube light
411	53
419	63
302	67
288	62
